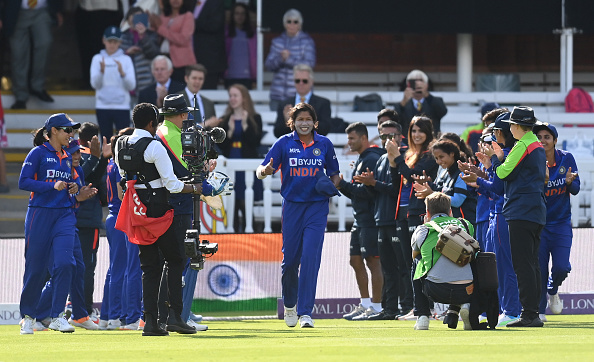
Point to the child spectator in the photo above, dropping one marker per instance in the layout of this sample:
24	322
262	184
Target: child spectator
112	77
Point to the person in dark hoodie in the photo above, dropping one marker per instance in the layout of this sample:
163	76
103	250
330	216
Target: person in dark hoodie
90	214
364	246
397	282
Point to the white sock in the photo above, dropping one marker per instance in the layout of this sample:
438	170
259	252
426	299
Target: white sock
377	306
366	302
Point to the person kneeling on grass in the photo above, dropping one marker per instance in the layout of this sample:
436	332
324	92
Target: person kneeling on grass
438	278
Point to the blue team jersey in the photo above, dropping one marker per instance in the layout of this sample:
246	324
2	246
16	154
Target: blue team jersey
43	167
113	178
301	165
556	190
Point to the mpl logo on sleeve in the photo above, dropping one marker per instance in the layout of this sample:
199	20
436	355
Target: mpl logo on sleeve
10	314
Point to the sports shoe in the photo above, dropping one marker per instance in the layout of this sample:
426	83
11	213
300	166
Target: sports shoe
305	321
102	324
45	321
465	315
504	319
196	317
543	317
422	323
555	304
355	312
291	317
526	322
38	326
94	317
382	316
113	324
131	326
141	325
407	316
198	327
85	323
27	325
61	324
365	316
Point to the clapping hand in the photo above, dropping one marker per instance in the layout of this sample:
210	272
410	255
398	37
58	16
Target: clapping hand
366	178
422	179
86	192
422	190
570	176
72	187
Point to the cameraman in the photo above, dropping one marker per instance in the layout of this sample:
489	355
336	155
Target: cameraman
159	176
175	112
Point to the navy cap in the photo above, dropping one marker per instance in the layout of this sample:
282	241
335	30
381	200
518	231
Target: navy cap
73	146
60	120
326	187
546	126
500	122
488	107
112	32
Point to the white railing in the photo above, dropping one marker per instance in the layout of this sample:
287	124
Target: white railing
340	210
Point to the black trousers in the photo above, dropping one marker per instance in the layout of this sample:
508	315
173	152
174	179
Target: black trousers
151	265
89	244
394	268
427	292
524	239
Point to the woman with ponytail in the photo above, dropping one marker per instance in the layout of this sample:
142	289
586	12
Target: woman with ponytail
50	221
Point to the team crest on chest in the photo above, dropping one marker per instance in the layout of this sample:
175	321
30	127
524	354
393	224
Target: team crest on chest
317	152
562	170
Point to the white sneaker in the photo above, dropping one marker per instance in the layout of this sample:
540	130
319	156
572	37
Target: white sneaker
102	324
543	317
198	327
364	316
27	325
422	323
61	324
38	326
131	326
196	317
94	317
85	323
291	316
465	315
354	313
555	304
113	324
504	319
305	321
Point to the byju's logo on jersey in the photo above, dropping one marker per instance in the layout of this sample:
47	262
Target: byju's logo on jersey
294	150
292	162
51	173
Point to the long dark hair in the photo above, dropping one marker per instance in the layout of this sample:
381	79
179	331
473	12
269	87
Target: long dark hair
185	7
414	153
465	152
247	24
40	136
447	146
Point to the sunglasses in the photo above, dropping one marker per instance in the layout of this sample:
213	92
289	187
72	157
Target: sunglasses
304	81
389	136
66	129
292	21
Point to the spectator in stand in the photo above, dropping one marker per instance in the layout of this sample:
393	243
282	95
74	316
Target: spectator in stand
472	134
112	77
161	67
557	234
286	51
304	82
417	100
364	234
176	26
142	45
194	78
3	144
404	168
241	44
29	28
91	18
244	133
209	39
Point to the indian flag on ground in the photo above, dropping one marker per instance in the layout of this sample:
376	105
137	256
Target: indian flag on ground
244	275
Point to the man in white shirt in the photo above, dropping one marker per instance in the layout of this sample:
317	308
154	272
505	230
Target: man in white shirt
195	75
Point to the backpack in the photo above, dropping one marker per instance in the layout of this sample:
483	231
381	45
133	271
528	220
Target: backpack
455	243
371	102
131	157
578	101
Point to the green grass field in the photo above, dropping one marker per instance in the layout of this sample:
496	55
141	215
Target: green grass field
564	337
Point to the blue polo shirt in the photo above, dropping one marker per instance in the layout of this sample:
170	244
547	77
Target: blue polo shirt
301	165
43	167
